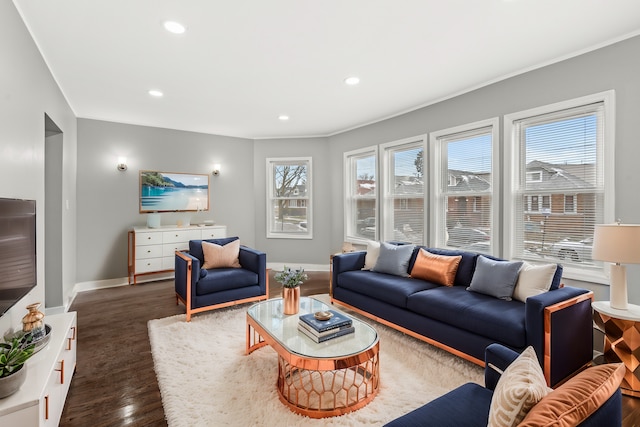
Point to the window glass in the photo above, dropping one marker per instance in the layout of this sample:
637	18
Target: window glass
403	211
361	201
564	149
288	212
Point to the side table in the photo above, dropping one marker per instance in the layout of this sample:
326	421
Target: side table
621	341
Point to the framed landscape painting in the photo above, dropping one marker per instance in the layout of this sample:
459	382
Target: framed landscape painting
173	192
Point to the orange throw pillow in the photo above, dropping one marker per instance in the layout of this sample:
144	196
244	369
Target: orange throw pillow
216	256
434	268
575	401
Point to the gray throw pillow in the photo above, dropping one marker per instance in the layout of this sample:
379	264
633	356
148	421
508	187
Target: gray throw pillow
394	259
495	278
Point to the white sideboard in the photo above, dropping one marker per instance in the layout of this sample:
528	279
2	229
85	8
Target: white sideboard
152	250
40	400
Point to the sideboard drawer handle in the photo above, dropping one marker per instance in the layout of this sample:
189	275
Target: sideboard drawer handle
61	370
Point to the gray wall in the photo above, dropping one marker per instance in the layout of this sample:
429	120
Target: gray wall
614	67
108	198
296	251
27	93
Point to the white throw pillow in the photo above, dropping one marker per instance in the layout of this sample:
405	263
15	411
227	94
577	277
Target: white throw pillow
373	252
534	280
520	387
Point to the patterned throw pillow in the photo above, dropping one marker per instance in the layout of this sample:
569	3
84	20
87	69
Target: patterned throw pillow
520	387
440	269
216	256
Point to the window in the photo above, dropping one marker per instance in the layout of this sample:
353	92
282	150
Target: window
569	203
464	213
567	145
289	198
361	195
403	193
534	176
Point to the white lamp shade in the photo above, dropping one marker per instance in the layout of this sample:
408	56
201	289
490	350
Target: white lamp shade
618	243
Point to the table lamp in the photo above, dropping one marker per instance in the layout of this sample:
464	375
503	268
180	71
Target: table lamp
619	244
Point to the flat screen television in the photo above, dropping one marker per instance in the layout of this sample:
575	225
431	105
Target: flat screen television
17	250
173	192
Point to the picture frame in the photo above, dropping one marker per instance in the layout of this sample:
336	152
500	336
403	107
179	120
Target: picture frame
173	192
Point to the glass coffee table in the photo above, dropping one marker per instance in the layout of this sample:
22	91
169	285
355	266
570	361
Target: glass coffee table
318	380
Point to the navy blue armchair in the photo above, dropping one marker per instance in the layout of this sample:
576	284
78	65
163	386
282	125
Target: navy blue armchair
201	290
469	404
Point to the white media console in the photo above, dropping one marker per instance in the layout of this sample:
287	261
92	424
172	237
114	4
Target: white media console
40	400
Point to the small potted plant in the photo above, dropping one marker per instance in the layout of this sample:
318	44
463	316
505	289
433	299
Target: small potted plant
13	355
291	281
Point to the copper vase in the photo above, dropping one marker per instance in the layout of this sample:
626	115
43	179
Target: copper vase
290	300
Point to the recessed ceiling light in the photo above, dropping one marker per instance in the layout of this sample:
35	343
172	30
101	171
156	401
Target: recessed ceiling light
156	93
283	117
352	81
174	27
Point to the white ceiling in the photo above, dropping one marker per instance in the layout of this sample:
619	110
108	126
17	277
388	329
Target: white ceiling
242	63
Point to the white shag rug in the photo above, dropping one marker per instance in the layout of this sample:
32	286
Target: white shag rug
206	379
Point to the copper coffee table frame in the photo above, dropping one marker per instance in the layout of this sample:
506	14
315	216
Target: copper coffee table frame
312	381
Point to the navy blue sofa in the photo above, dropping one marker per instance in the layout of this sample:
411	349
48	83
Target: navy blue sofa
202	290
469	404
558	324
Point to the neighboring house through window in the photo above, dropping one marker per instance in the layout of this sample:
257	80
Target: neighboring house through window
558	168
464	208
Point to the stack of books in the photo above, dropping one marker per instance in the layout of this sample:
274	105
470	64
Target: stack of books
322	330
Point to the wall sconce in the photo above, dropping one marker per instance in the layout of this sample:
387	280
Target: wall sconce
216	169
122	164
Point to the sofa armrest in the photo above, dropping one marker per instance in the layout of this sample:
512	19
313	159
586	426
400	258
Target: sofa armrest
255	261
497	357
559	326
348	261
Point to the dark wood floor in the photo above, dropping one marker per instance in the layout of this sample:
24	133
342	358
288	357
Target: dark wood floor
115	384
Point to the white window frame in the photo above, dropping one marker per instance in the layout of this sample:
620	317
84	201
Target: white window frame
349	164
575	207
271	197
512	152
439	200
386	198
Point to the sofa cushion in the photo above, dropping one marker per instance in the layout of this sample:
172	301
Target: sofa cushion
384	287
521	386
495	278
467	405
533	280
221	256
222	279
394	259
373	252
195	246
575	400
440	269
499	320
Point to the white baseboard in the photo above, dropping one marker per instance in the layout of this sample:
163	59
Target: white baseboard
123	281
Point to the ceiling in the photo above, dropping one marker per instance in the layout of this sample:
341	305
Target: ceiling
243	63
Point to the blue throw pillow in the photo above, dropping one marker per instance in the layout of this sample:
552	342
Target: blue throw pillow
394	259
495	278
203	273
